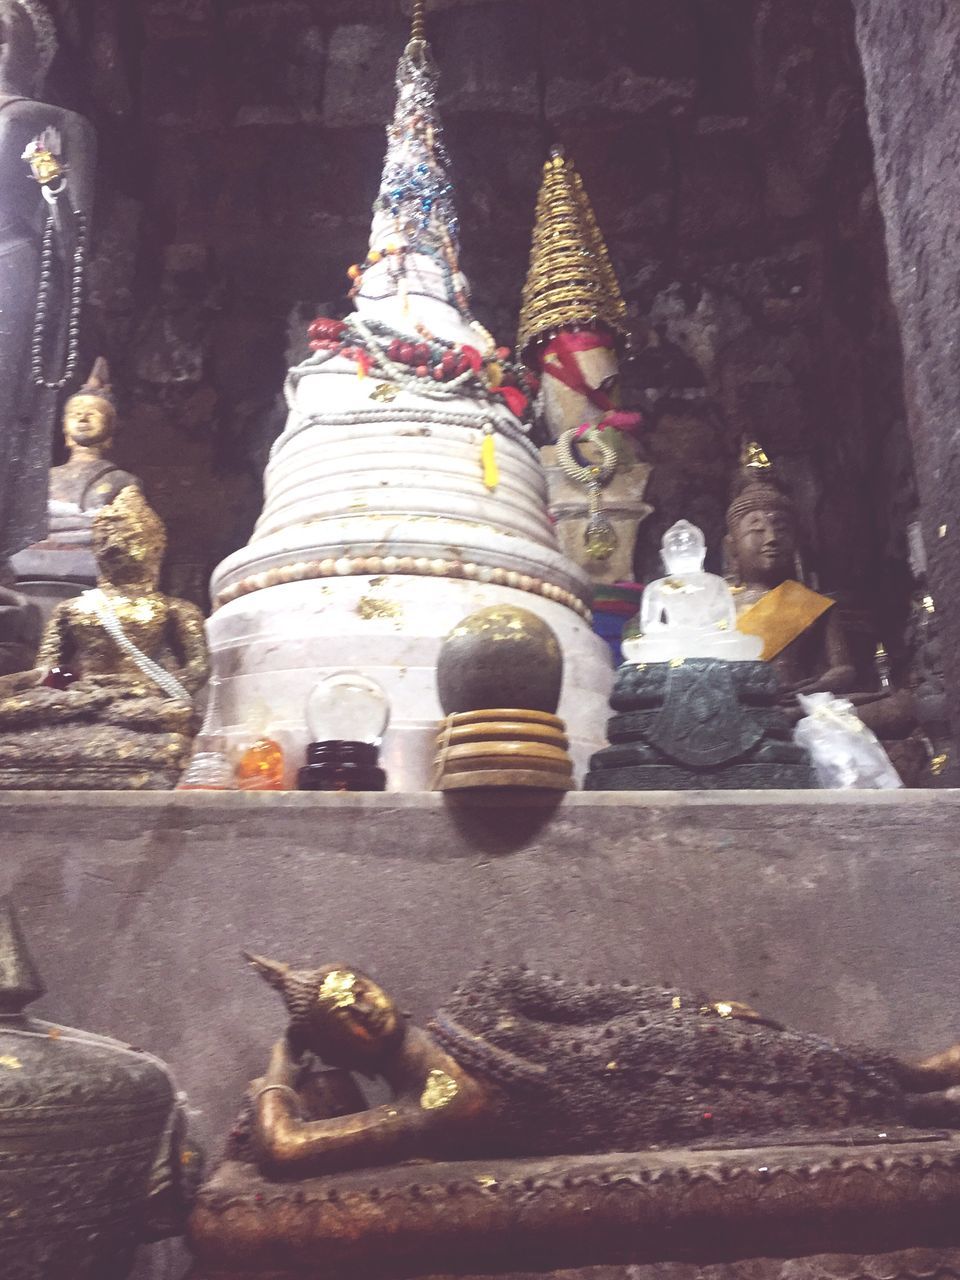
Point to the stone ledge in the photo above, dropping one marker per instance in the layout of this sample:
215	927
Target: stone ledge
907	802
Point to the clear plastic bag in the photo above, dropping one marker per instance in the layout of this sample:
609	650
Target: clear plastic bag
845	753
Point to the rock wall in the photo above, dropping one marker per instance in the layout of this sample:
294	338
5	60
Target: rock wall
724	143
912	63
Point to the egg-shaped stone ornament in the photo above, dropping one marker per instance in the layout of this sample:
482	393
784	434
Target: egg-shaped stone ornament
502	656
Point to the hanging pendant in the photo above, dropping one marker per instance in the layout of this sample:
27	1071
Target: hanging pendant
599	537
488	458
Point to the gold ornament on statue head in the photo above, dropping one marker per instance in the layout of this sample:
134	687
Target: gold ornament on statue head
757	488
571	281
754	456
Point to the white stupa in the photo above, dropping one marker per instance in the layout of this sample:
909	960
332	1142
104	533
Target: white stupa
403	494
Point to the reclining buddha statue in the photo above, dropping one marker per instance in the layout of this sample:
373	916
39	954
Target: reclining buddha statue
568	1123
519	1064
109	702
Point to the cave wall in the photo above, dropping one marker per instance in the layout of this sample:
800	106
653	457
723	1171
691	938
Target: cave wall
912	63
724	143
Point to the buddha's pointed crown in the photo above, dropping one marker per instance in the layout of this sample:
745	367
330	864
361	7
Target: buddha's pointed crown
415	211
98	383
20	983
571	281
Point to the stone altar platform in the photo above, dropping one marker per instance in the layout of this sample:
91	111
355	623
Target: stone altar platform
835	912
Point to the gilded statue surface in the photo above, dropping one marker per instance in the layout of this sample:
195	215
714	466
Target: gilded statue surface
124	657
545	1123
572	333
27	411
517	1064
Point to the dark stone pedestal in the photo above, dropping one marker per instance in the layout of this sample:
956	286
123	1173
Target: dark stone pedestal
767	1204
698	724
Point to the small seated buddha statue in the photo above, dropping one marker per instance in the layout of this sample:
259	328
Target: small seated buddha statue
801	630
122	657
688	613
87	481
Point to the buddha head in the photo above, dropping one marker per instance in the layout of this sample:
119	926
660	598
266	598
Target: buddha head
129	540
28	43
337	1013
684	549
90	416
761	545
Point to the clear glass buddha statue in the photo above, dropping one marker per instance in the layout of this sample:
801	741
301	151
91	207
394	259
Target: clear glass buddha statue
688	613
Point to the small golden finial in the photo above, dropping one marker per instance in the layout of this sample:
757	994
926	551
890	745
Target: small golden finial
418	31
571	280
754	456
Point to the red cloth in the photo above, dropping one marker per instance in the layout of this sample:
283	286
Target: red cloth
565	369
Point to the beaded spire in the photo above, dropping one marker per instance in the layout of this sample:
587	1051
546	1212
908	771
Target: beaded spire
571	279
414	212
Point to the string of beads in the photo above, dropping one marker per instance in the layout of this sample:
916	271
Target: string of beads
40	324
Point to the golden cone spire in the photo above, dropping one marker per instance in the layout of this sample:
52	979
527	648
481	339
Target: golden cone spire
571	280
418	29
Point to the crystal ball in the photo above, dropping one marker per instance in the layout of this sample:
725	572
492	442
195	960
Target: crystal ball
347	707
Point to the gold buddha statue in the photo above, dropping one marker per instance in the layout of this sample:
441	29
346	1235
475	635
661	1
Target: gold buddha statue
122	657
62	564
88	480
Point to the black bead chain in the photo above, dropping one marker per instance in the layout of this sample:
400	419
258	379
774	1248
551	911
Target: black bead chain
43	298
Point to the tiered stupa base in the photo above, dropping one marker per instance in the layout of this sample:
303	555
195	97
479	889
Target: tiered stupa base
270	647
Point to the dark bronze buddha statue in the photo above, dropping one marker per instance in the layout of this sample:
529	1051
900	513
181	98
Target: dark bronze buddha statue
802	631
572	1124
517	1064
